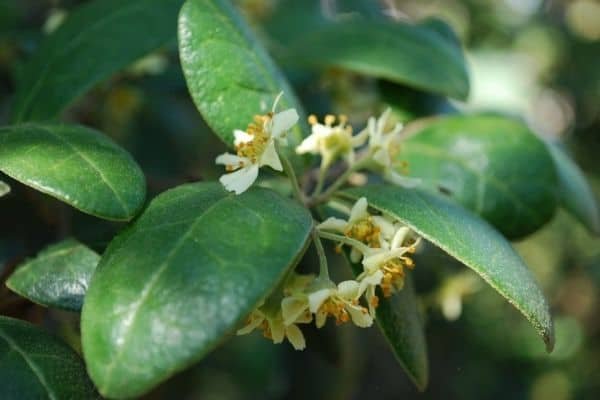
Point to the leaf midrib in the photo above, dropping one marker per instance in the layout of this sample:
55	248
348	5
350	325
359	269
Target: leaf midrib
149	287
29	362
92	164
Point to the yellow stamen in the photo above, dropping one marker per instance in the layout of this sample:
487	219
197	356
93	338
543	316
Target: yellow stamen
365	231
256	147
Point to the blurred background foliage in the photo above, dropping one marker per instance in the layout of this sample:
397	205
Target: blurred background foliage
536	59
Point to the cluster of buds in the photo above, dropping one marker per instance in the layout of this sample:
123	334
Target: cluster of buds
383	245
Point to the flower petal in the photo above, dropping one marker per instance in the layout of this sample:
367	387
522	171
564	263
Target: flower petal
270	157
386	227
283	121
355	255
241	137
382	121
348	290
317	298
372	262
232	160
333	224
399	237
240	180
255	321
382	157
292	308
277	329
360	138
320	319
309	145
359	210
295	337
373	279
360	316
321	131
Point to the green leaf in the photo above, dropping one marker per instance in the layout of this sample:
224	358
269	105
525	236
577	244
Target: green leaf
400	322
229	74
468	239
292	18
4	189
95	41
491	165
182	278
440	27
575	194
75	164
413	55
58	277
36	365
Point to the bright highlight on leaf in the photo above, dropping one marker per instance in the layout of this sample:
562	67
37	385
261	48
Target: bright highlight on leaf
58	277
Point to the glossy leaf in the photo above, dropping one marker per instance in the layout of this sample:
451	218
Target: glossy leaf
75	164
468	239
491	165
95	41
574	192
230	76
292	18
36	365
4	189
400	322
58	277
182	278
414	55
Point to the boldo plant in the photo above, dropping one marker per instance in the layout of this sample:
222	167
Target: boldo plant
208	260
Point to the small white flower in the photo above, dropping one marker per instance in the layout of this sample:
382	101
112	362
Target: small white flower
342	303
384	142
273	328
372	230
386	265
330	141
255	148
368	284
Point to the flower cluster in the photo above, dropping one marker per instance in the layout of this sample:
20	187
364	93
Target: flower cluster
334	141
255	148
383	245
384	143
331	141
